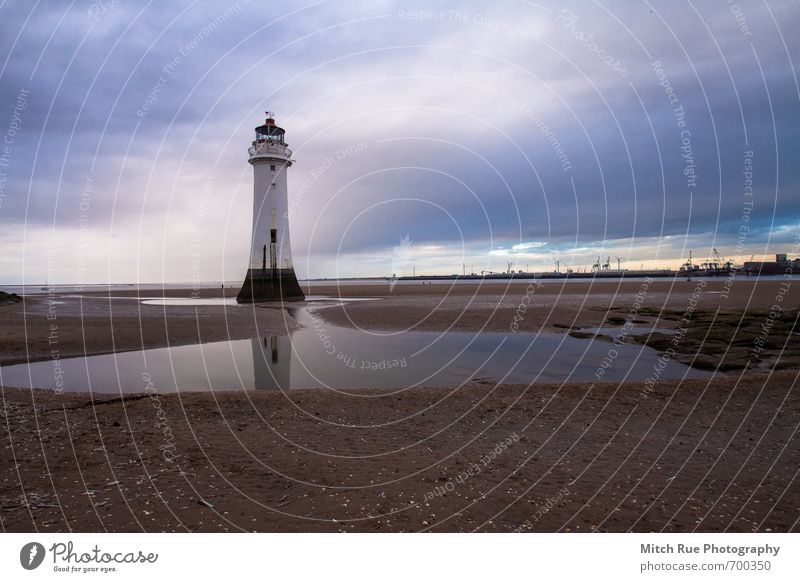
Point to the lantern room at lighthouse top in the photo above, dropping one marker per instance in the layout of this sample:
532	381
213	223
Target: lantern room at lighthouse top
269	142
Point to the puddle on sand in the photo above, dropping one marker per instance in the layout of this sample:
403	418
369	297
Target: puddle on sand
325	356
179	302
229	301
630	331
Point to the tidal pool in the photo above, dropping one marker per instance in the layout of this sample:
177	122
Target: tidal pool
323	356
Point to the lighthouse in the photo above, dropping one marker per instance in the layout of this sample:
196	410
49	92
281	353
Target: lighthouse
270	272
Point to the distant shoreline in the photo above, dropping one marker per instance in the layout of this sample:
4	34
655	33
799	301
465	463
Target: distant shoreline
516	278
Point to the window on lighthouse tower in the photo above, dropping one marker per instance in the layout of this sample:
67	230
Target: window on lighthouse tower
269	133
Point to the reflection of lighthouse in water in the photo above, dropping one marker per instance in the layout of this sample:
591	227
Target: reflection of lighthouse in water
270	272
272	359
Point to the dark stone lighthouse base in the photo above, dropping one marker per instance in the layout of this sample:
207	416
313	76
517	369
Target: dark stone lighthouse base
263	285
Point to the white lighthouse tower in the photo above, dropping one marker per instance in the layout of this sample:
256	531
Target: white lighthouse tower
270	273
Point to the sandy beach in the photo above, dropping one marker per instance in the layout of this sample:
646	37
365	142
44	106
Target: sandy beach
96	322
692	455
102	323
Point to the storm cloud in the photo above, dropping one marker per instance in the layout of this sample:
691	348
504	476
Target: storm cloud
468	133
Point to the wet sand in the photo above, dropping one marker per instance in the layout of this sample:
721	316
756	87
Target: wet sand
44	327
717	455
553	306
107	322
721	325
696	456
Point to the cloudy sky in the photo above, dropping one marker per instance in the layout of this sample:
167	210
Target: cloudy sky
427	135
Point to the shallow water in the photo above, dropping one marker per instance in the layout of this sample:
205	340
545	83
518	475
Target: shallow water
324	356
618	331
212	301
178	302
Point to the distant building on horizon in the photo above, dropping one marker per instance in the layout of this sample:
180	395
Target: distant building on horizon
782	265
270	272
